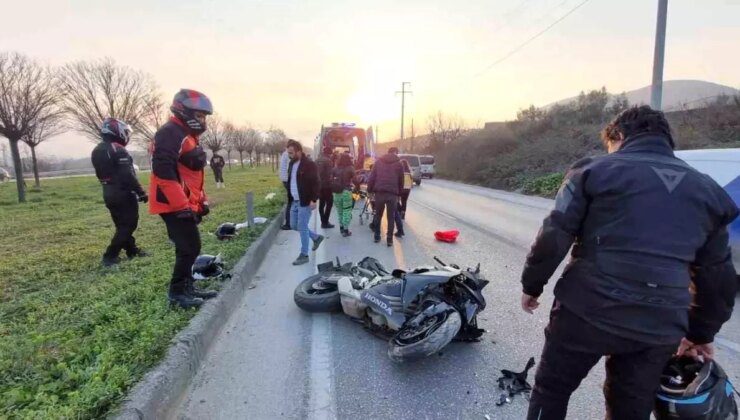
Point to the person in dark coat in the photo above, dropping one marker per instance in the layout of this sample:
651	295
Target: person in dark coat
303	185
122	191
408	183
645	227
325	165
217	165
386	183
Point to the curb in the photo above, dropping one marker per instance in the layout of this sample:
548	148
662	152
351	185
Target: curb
163	386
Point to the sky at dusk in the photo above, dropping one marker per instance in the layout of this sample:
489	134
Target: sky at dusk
298	64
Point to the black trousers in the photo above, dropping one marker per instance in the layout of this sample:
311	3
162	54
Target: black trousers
573	347
184	233
290	203
124	210
326	201
218	173
404	201
385	202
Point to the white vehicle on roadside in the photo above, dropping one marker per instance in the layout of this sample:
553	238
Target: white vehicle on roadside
723	166
4	175
427	166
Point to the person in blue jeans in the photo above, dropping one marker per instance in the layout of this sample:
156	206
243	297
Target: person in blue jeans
303	185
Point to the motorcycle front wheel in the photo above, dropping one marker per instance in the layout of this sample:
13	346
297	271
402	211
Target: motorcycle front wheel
315	295
432	334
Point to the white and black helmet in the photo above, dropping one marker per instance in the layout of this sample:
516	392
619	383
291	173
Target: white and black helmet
116	130
208	267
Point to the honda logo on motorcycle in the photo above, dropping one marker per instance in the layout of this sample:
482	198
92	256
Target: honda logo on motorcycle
369	297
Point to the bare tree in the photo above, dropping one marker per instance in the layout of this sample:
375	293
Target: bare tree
244	141
214	138
230	136
28	91
444	129
154	116
276	140
47	126
96	90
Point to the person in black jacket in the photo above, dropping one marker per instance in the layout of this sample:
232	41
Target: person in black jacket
303	185
644	227
386	183
217	165
122	192
326	198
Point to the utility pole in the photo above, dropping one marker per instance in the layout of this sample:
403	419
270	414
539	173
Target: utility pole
403	93
413	136
656	92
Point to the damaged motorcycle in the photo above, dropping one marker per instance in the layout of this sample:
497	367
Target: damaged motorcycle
420	311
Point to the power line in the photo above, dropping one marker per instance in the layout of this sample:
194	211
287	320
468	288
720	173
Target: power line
528	41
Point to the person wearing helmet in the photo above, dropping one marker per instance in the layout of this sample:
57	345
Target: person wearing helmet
122	192
650	272
177	189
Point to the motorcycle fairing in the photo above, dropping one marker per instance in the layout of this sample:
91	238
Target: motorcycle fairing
414	284
381	305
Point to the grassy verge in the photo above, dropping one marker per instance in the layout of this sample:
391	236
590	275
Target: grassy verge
545	186
74	337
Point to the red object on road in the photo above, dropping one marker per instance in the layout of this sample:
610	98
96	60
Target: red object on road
449	236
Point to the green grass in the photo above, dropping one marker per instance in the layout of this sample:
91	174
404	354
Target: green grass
74	337
545	186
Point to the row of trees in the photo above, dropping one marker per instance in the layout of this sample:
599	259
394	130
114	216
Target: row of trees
38	102
244	140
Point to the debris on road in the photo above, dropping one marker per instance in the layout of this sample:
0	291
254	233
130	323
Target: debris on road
449	236
513	383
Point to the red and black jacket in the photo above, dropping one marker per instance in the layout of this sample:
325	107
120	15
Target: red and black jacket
177	171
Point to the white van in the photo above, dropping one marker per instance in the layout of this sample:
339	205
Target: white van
723	165
427	166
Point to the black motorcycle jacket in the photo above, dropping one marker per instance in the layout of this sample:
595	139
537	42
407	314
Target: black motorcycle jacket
645	226
114	167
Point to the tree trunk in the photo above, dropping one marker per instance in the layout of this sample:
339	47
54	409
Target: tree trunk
16	156
35	166
241	158
228	158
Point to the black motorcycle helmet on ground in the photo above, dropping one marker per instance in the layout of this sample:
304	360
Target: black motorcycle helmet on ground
208	267
691	389
184	106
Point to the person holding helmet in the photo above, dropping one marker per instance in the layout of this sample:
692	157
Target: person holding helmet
122	192
650	273
177	189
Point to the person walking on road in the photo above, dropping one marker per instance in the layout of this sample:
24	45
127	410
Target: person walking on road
342	184
408	182
177	189
122	192
217	165
644	226
326	198
284	162
386	183
303	184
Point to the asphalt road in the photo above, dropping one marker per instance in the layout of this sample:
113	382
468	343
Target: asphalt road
274	361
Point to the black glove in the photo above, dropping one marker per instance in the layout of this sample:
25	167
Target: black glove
143	198
205	210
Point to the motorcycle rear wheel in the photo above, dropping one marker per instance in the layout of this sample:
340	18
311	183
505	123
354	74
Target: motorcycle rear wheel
314	295
430	337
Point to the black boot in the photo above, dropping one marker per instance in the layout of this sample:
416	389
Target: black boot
138	252
178	296
110	261
202	294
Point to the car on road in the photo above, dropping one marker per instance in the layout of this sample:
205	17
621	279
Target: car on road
723	166
427	166
415	164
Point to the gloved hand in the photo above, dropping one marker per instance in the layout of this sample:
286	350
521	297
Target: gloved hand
143	198
205	210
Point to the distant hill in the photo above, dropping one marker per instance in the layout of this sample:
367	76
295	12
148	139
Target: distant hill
676	93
